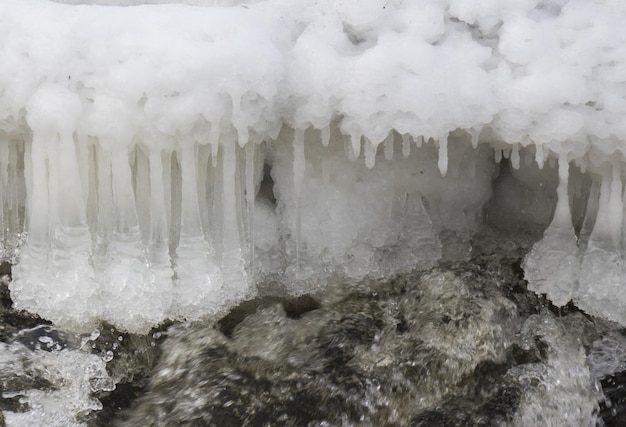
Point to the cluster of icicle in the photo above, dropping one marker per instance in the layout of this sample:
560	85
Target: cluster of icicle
585	267
106	224
138	234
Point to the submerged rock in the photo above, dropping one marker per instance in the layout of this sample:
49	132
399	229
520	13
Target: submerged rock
462	344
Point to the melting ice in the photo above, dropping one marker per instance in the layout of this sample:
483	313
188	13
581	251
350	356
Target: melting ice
158	161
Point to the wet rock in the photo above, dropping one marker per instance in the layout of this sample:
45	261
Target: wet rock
451	346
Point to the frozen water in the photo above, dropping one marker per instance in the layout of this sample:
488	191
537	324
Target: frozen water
133	142
55	386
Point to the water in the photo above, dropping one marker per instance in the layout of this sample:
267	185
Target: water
464	343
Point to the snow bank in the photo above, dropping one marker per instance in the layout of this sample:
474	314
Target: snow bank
134	140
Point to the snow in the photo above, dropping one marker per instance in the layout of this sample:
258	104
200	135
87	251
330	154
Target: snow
133	141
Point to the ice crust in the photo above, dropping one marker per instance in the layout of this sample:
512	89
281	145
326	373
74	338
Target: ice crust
133	142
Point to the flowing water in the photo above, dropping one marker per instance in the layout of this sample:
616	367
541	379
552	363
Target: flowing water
461	344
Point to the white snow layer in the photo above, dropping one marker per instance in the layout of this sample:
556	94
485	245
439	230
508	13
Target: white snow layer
133	142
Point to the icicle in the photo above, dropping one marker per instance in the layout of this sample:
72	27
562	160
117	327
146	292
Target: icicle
562	213
4	162
370	153
601	276
38	194
601	233
419	141
299	165
190	213
198	279
474	135
406	145
71	189
325	131
498	155
347	147
214	154
215	142
158	220
552	266
356	145
123	197
591	212
551	162
539	155
15	182
105	210
250	193
443	155
82	155
9	202
104	200
54	182
4	190
28	181
616	206
506	153
623	236
515	158
243	135
203	153
233	267
389	146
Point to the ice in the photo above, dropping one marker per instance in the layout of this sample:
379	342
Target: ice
406	146
602	261
132	140
388	145
552	267
299	169
57	386
443	156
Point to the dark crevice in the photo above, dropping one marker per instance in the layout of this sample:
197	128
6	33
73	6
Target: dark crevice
266	189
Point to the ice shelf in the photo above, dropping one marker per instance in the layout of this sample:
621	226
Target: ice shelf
159	160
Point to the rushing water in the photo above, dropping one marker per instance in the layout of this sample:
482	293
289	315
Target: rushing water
461	344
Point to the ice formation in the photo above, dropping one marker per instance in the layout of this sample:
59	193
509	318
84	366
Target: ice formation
56	385
138	143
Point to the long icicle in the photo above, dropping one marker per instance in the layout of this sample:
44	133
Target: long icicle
299	164
616	207
250	194
552	266
158	219
232	261
389	146
370	153
4	193
38	200
442	162
601	278
406	145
